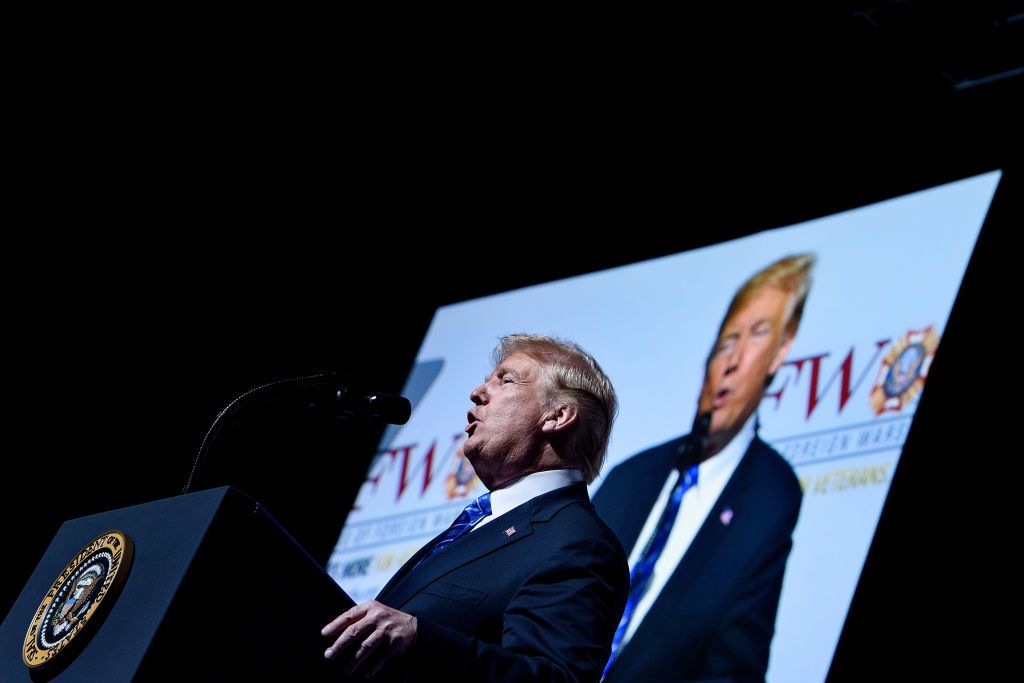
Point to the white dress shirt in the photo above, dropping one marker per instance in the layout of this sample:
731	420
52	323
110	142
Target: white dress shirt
712	476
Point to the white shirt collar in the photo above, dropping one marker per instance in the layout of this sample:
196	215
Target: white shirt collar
729	457
526	488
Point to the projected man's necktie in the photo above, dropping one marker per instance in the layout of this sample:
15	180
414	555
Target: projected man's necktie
640	577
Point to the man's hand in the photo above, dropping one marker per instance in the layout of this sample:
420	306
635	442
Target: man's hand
371	634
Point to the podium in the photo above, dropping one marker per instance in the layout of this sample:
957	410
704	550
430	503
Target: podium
217	590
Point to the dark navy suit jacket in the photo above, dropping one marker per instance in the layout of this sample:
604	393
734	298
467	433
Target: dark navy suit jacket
715	618
534	595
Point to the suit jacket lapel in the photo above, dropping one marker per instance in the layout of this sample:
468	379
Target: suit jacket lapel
409	565
408	582
713	531
643	493
413	578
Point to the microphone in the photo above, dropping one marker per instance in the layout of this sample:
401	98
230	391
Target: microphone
692	448
319	392
377	407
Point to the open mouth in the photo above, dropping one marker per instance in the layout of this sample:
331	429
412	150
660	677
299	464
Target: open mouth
720	398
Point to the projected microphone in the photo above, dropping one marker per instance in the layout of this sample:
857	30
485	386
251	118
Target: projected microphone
693	445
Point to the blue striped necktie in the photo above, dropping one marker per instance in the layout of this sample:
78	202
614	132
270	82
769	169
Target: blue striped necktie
474	512
640	577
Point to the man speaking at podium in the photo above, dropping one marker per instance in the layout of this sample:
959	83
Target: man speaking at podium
528	583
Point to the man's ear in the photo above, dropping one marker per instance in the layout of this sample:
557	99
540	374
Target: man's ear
559	417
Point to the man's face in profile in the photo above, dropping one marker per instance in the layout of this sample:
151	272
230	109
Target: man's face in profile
753	345
504	425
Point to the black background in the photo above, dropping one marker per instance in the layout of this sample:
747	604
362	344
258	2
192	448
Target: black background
199	216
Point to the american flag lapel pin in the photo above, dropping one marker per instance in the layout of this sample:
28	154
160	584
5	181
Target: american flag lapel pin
509	531
726	516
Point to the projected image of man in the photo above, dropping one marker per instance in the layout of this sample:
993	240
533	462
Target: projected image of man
708	517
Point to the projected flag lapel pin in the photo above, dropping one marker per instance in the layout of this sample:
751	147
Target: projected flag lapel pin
509	531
